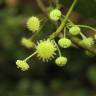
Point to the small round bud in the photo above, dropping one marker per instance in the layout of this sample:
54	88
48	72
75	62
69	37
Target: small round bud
75	30
33	24
27	42
55	14
64	42
88	42
61	61
23	65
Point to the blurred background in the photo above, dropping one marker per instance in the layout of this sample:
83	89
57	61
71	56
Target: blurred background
77	78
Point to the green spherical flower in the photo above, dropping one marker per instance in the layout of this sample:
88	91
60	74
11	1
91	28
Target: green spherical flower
64	42
33	24
75	30
22	65
87	42
55	14
61	61
27	42
45	50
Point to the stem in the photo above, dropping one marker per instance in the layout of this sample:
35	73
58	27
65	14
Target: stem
63	22
26	59
65	32
58	48
86	26
63	16
57	3
83	36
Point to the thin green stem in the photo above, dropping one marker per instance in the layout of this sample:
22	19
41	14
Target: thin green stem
83	36
57	3
65	32
63	22
86	26
58	48
68	20
26	59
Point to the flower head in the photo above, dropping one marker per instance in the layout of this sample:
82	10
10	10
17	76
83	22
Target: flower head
55	14
61	61
64	42
75	30
45	50
33	24
27	42
23	65
88	42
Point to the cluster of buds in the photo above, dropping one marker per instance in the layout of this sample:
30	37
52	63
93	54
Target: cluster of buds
46	49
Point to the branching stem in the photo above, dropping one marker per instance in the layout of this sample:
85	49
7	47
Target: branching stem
52	36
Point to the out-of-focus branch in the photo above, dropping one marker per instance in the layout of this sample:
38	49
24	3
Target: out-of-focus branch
42	7
76	41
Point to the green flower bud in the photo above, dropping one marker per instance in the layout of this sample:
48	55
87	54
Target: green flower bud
33	24
55	14
61	61
75	30
64	42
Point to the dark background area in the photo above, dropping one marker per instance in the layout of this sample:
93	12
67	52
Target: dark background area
77	78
